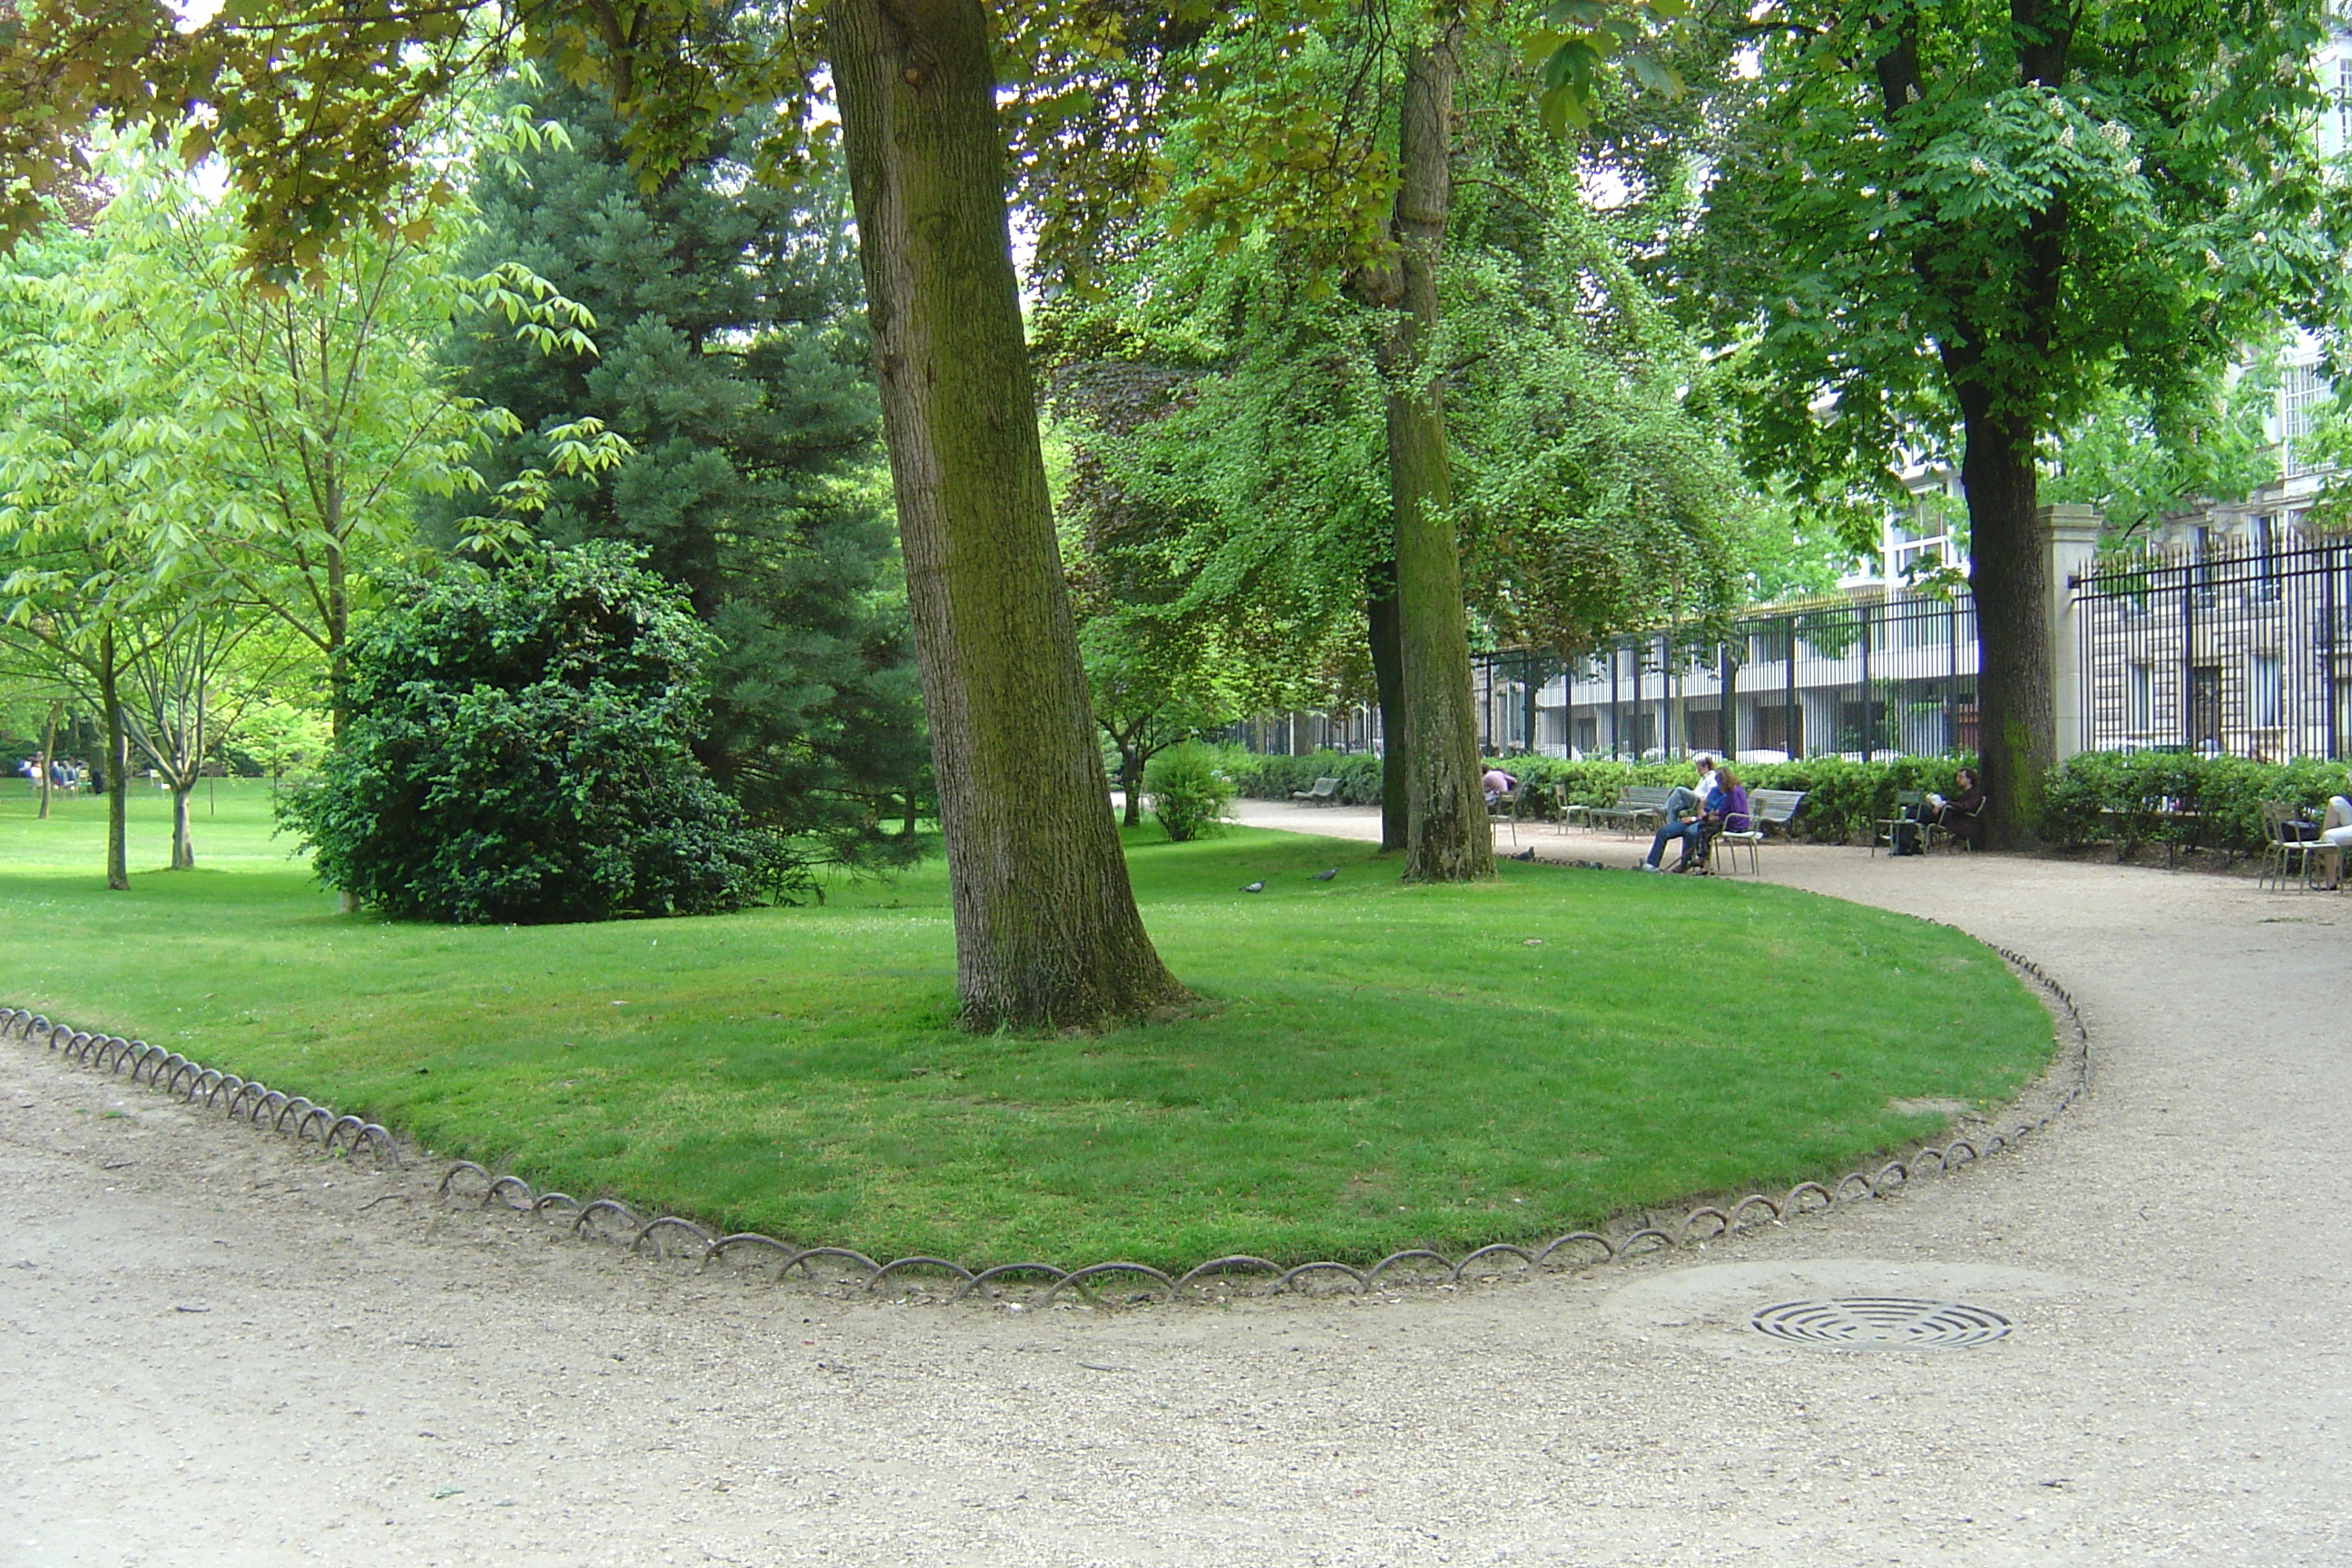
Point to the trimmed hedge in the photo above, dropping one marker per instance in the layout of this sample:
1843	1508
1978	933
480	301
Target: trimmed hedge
2131	798
2124	798
1842	799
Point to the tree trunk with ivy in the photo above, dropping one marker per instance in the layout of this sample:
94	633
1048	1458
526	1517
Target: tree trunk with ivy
1447	836
1047	933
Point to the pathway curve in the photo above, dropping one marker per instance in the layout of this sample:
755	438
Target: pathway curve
217	1353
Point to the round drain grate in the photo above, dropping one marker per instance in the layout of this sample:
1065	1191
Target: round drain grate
1881	1322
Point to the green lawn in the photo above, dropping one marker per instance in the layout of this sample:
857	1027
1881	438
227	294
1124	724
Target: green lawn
1373	1067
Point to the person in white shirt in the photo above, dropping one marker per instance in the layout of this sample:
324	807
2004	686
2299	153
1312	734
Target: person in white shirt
2336	831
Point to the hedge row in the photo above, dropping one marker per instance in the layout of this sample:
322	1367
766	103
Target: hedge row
2130	799
2126	798
1842	799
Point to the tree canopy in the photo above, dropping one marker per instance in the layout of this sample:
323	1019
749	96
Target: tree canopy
1930	225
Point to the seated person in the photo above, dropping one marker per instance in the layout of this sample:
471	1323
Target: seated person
1497	784
1694	829
2335	833
1959	815
1726	812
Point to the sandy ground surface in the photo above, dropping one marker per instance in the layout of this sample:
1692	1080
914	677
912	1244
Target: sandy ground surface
217	1352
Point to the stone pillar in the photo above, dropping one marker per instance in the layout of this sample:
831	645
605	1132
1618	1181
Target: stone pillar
2074	535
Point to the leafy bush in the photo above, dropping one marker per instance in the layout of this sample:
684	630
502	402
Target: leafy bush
1261	777
2131	798
1842	799
517	752
1188	794
2126	798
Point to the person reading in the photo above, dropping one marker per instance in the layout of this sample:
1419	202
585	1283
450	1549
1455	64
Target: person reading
1962	816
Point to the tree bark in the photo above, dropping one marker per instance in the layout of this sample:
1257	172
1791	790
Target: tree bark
1388	687
117	766
183	847
1046	928
2009	552
1447	836
48	755
337	626
1131	782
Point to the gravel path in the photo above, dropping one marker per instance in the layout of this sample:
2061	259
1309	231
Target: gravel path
218	1352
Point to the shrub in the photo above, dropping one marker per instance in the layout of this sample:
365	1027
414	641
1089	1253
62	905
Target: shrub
1189	793
2126	798
1842	800
517	752
2131	798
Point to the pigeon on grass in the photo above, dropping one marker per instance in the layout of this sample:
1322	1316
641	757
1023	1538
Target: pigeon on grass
1528	854
1256	886
1326	876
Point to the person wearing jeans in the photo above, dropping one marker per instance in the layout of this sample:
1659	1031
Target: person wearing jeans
1728	811
1685	805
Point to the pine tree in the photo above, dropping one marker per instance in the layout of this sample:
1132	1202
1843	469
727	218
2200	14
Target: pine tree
733	354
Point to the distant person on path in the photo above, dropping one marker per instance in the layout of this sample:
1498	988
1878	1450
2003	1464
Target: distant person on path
1959	815
1684	806
1497	784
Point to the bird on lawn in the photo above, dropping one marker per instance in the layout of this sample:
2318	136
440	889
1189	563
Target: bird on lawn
1326	876
1256	886
1527	853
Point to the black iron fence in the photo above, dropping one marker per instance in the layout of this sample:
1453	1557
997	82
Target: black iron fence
2238	649
1862	678
2226	647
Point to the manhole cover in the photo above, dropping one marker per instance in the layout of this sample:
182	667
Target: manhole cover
1881	1322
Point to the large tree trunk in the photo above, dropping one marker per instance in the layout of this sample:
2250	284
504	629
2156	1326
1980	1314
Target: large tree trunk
48	754
2009	553
1046	928
1388	686
1447	836
117	767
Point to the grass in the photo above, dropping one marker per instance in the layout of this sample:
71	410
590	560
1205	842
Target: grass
1373	1065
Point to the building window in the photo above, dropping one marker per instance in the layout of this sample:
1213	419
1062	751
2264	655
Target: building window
2264	702
2139	699
2301	388
2343	102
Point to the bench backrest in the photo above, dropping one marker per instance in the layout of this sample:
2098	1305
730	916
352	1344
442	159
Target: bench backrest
1775	806
1326	787
1636	797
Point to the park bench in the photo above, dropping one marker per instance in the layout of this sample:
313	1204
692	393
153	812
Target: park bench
1638	805
1325	792
1767	809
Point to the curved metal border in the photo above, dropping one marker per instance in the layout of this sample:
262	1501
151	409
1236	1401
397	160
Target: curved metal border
172	1073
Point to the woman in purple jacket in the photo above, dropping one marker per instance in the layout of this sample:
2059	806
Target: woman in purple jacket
1727	810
